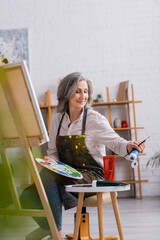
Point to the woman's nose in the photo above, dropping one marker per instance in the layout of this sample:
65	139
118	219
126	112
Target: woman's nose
82	95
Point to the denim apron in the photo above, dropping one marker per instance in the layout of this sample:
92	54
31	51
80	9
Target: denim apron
72	150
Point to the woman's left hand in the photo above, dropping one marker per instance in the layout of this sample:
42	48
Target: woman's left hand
134	144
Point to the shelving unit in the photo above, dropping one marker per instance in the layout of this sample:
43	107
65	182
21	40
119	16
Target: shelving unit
48	106
130	129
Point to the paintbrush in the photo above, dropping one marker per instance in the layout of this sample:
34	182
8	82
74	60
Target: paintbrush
137	145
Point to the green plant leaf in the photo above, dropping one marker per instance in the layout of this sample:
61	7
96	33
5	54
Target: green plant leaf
155	160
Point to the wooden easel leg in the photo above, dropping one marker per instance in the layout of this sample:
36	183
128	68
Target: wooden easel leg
117	215
78	215
41	191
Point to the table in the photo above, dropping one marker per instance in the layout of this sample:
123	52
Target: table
84	188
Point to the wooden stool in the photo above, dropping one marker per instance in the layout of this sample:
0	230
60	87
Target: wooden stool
84	229
109	173
82	223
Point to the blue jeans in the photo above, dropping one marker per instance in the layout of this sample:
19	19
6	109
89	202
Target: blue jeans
55	190
30	199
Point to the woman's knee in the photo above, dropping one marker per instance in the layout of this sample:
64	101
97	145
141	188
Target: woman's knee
47	176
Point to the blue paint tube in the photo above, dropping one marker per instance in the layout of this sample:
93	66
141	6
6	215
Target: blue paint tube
134	154
133	157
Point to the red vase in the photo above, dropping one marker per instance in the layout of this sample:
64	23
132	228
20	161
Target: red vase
124	124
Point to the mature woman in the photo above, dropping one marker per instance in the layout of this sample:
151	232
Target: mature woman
78	136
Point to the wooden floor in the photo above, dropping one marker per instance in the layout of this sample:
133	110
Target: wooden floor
140	220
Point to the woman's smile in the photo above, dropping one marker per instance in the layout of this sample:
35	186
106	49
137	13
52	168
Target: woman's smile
80	97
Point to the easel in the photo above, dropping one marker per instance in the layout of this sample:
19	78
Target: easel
20	134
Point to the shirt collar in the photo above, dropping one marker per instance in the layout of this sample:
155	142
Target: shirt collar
79	119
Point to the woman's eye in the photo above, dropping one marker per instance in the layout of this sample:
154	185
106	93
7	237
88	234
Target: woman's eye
79	91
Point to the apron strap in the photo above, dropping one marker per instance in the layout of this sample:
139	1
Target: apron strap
59	127
83	123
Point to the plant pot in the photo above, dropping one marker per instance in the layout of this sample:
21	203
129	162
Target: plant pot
99	99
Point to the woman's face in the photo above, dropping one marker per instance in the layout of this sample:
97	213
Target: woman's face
80	98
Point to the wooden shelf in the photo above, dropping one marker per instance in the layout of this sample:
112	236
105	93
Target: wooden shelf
130	129
132	181
47	106
97	104
116	155
114	103
127	128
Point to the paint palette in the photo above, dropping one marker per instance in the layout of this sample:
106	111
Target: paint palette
60	168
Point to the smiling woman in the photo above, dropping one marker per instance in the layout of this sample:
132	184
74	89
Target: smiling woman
78	136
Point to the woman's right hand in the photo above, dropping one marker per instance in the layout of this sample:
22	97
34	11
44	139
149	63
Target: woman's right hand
135	144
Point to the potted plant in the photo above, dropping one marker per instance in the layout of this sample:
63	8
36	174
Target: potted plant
99	98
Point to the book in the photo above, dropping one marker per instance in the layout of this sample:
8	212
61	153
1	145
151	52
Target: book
122	91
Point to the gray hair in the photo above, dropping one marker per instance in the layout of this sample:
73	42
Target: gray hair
67	88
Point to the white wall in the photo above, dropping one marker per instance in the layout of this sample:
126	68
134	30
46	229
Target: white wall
109	41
